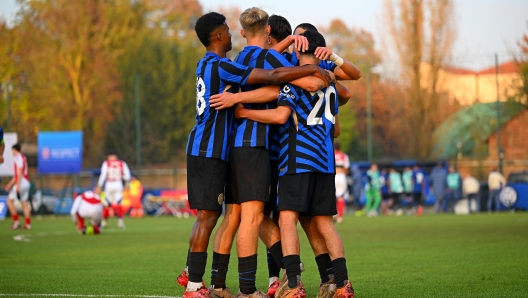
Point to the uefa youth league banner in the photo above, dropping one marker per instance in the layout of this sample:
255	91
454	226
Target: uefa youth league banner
60	152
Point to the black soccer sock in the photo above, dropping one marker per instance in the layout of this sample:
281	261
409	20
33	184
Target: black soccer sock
340	271
324	264
187	260
247	271
197	262
293	270
273	268
219	270
276	253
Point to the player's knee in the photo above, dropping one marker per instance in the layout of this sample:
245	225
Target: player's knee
207	217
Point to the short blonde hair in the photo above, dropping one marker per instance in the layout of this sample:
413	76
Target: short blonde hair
253	20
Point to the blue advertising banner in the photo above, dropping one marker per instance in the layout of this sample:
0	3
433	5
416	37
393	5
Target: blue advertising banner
3	207
60	152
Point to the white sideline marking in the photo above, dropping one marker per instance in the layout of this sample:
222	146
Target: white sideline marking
25	238
83	295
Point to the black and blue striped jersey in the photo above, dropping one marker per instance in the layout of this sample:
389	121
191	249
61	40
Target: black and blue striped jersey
248	133
274	133
210	135
307	138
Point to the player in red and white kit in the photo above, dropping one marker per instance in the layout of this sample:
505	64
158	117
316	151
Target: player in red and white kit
342	164
87	206
18	188
113	172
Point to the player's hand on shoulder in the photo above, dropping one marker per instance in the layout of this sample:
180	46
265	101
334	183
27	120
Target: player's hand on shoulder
332	76
322	53
299	42
324	75
223	100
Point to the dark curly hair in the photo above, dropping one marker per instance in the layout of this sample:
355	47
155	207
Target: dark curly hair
206	24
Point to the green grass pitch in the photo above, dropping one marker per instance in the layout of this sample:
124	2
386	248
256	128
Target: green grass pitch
483	255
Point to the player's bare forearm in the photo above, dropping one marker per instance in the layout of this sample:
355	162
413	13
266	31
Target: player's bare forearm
260	95
337	129
286	74
347	71
343	95
272	116
311	84
299	42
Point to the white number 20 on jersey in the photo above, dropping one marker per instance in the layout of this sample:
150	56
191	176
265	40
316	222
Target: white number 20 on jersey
312	117
200	92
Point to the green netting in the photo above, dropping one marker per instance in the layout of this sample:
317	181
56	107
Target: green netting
470	128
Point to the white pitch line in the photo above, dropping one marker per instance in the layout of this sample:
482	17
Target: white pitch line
25	237
84	295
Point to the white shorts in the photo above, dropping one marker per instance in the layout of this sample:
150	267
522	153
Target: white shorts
341	185
23	192
93	212
113	194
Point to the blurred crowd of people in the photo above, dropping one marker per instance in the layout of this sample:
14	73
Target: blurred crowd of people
389	191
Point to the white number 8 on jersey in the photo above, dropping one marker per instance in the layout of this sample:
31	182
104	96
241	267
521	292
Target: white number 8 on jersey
200	92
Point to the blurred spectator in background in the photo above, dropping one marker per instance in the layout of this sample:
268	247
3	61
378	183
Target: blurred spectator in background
439	183
495	183
407	183
470	189
454	187
385	192
357	184
132	198
342	164
418	182
373	191
396	189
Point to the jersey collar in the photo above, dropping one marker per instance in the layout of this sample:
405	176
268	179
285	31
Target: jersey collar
211	54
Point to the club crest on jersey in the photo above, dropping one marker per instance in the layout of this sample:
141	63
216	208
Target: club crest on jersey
286	92
220	199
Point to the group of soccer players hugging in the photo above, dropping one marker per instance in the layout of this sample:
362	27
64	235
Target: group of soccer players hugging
262	146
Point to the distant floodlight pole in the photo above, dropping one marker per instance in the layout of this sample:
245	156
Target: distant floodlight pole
138	124
501	155
369	114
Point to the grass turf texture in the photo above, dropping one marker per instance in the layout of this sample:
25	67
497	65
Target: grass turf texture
432	256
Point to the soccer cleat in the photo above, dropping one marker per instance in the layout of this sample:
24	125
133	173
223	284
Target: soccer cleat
202	292
104	223
327	289
256	294
121	224
344	292
27	227
272	289
220	293
15	225
297	292
183	278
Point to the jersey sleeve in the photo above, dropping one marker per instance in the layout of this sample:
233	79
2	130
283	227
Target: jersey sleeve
328	65
287	97
347	162
234	73
102	177
275	60
1	135
126	172
75	208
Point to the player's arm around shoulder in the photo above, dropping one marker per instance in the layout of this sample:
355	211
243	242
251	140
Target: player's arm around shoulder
278	115
261	95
